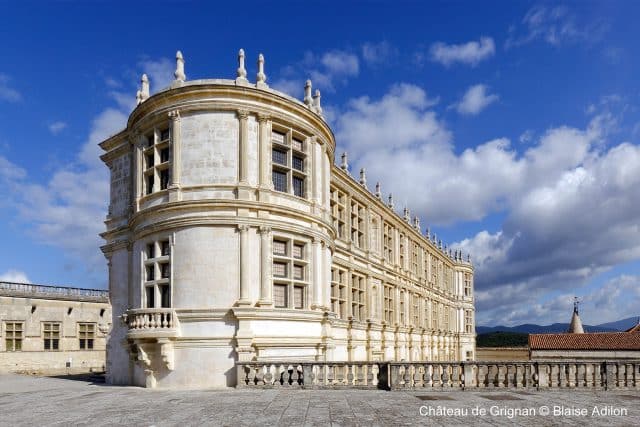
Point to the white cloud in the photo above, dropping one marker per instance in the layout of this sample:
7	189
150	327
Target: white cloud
10	171
475	100
554	25
8	93
325	71
14	276
57	127
470	53
378	53
526	136
570	200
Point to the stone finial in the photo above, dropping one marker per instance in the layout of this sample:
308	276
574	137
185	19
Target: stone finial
468	257
308	100
440	243
179	74
138	97
416	223
261	77
363	177
407	215
144	88
390	204
241	72
378	193
345	164
427	233
316	102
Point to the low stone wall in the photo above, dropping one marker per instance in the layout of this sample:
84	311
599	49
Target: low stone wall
52	362
603	375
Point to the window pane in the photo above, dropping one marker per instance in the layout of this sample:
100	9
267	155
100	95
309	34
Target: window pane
164	179
165	271
279	181
279	248
298	297
297	144
165	296
18	345
164	155
165	247
151	250
298	272
298	186
277	137
150	296
298	163
279	157
151	272
280	295
279	269
297	251
164	135
149	161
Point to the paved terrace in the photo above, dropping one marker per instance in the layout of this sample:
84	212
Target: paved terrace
32	401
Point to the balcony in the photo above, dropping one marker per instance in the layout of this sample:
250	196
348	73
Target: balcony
146	323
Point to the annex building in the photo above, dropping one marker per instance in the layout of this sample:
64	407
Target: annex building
52	330
232	236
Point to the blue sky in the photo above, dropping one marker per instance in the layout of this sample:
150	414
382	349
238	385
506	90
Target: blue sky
510	128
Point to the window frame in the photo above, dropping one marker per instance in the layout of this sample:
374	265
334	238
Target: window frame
339	289
51	336
156	173
13	335
358	291
294	146
290	280
156	287
86	338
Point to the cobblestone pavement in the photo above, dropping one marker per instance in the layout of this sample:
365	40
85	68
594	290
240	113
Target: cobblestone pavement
39	401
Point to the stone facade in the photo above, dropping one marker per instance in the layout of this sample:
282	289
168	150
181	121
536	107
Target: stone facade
52	330
232	236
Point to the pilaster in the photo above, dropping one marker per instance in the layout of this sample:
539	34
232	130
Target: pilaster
244	265
176	143
266	290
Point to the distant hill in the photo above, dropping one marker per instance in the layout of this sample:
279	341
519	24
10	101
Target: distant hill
529	328
502	339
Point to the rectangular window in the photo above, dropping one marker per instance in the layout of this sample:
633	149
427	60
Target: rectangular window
357	224
13	336
280	296
164	179
51	335
414	258
289	273
467	285
279	269
358	301
401	308
86	334
298	186
279	181
402	251
157	276
388	242
298	297
157	161
339	292
298	163
389	304
468	321
338	212
279	157
288	164
415	310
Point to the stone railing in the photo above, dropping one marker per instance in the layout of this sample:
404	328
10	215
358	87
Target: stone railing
28	290
151	322
444	376
312	374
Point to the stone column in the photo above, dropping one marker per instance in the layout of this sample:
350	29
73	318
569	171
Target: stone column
243	155
316	254
266	298
244	264
137	173
264	150
176	140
